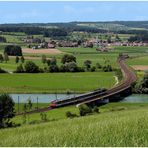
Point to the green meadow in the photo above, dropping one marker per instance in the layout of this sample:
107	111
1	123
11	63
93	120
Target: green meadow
117	124
57	82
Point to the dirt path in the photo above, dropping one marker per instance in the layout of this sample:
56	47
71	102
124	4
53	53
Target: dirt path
116	79
41	51
140	67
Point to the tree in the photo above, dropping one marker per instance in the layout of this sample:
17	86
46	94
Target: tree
6	58
1	58
117	38
53	61
98	65
109	39
17	59
20	69
6	110
13	50
142	86
53	68
31	67
22	59
87	64
44	60
48	62
68	58
24	114
72	66
29	104
107	68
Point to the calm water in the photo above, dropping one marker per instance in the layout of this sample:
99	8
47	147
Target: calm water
42	98
46	98
137	98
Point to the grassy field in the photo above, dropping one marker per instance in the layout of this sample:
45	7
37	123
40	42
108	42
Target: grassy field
116	125
138	61
57	82
50	83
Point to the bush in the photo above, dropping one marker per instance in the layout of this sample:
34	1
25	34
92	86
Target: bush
93	69
96	109
43	117
70	115
107	68
20	69
1	58
13	50
84	109
2	71
31	67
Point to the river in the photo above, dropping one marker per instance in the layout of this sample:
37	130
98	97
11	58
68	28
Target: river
46	98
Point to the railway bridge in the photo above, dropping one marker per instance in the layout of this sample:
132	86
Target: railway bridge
97	96
114	94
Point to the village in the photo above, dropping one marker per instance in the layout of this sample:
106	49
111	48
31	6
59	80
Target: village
102	46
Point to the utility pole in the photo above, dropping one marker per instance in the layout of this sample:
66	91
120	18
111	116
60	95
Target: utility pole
18	104
56	95
37	102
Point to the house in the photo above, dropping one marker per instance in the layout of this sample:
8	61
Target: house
67	44
50	45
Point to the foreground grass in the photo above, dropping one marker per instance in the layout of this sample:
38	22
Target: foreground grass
55	82
110	128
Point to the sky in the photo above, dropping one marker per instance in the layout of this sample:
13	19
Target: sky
68	11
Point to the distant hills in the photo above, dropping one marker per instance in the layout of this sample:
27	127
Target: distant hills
123	27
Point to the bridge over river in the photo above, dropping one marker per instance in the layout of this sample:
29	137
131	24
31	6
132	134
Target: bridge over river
114	94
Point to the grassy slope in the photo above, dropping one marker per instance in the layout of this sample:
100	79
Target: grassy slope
57	82
126	127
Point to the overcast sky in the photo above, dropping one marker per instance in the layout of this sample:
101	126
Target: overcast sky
43	12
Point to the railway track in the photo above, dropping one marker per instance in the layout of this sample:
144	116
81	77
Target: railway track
129	79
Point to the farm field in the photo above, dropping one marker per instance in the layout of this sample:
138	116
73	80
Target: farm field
114	126
55	82
138	61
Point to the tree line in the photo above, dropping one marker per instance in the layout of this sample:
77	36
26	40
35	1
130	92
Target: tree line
68	64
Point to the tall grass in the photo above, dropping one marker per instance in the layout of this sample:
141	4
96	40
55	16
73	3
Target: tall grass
120	128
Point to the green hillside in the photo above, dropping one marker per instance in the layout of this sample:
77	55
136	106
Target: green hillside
125	125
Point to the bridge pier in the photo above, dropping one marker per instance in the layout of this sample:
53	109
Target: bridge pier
120	96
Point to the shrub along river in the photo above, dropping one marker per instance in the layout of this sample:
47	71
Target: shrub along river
46	98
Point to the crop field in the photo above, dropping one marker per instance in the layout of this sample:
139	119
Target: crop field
116	125
139	61
57	82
